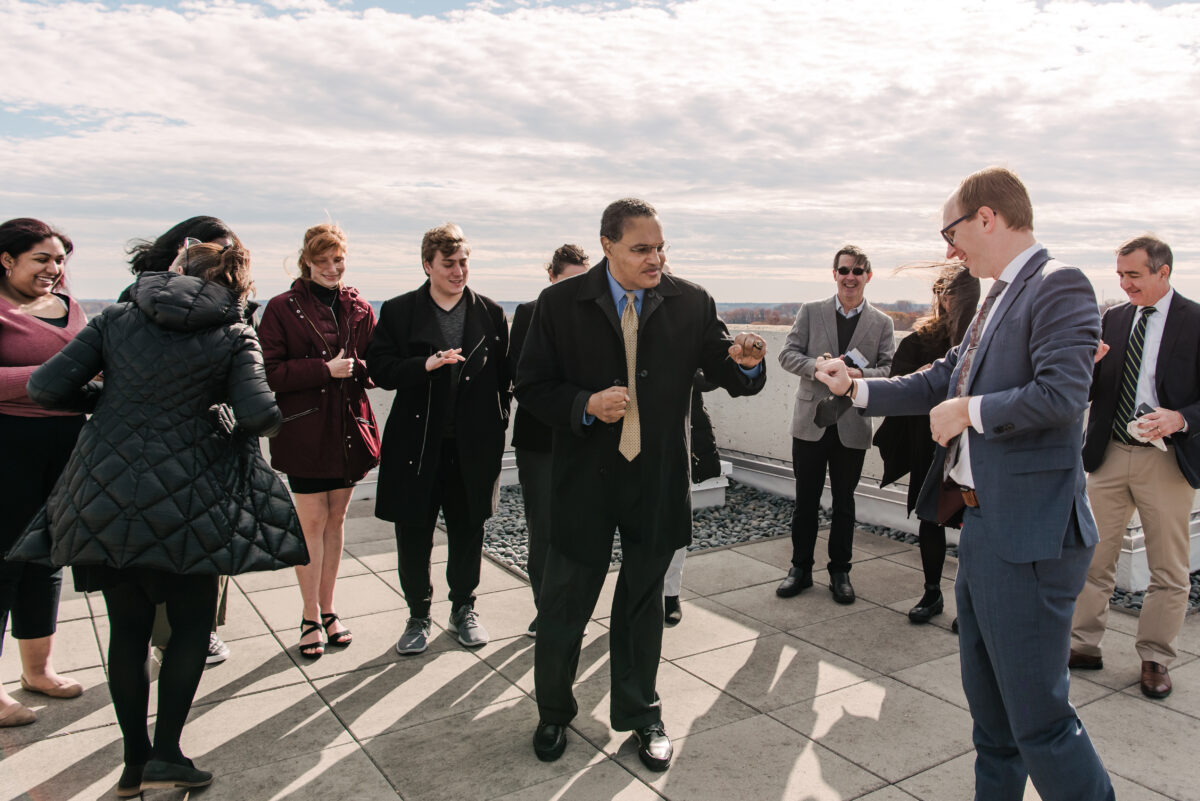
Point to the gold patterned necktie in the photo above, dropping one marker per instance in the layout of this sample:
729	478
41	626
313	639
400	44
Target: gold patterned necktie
631	430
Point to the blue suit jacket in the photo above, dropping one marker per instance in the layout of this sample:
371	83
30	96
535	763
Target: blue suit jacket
1033	370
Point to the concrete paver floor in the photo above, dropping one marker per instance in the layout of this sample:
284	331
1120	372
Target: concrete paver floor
765	699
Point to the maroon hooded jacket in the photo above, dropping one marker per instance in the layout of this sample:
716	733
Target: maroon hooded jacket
328	429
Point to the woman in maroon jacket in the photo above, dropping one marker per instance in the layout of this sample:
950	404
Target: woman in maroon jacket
313	337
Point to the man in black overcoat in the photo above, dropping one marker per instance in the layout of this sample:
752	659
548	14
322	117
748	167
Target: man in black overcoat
620	459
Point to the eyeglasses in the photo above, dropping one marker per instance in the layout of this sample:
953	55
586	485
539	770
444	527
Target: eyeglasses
643	251
847	270
188	244
945	232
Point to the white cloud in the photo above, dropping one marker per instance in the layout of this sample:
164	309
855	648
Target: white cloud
766	133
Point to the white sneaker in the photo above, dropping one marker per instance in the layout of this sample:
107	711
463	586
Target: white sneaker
218	651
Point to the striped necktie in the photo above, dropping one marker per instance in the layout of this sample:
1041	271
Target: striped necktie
1127	399
631	428
967	358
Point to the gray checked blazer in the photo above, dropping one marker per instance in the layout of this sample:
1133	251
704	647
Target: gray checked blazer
815	333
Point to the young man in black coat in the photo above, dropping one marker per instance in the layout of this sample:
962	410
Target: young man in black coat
444	349
608	364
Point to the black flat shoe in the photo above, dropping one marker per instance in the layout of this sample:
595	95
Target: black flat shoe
549	741
931	604
954	625
672	614
159	774
796	582
654	747
130	783
842	589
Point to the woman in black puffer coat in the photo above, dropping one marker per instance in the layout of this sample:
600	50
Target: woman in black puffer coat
162	491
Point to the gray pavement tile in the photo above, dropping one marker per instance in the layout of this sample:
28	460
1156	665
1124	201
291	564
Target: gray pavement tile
943	678
286	577
1134	736
887	794
75	648
912	558
96	604
776	552
261	729
360	507
775	671
83	766
868	545
354	596
606	781
755	758
374	644
480	755
860	723
689	705
254	664
952	780
408	693
365	529
492	578
339	772
880	639
811	606
513	657
76	608
241	618
1189	636
707	625
58	716
711	572
881	581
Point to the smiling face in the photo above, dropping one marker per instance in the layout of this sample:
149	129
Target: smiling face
1143	287
36	272
327	267
850	287
638	259
448	274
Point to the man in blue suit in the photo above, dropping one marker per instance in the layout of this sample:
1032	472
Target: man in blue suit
1006	407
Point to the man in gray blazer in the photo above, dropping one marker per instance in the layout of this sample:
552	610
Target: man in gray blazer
1006	407
848	326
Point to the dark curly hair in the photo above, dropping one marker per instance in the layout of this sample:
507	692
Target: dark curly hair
156	256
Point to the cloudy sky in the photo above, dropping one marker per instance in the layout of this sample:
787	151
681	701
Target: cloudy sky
766	133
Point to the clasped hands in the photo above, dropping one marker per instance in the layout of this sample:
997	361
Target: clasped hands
946	420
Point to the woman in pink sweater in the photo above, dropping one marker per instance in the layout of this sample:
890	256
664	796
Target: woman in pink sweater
37	318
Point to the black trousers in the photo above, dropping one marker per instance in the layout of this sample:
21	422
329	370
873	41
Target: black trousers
33	452
570	589
535	474
809	463
190	602
414	543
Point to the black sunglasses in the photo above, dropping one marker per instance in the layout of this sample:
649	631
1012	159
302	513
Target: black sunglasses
847	271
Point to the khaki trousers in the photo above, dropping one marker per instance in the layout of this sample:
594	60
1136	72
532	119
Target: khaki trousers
1146	478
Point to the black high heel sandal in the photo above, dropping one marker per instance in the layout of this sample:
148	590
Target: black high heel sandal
340	640
313	649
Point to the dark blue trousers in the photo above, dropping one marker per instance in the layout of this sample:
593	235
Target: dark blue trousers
1014	628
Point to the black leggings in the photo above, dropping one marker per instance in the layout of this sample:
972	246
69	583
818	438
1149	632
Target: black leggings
933	551
191	602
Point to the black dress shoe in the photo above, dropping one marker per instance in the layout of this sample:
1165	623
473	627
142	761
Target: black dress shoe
130	783
954	625
796	582
654	747
158	775
672	614
842	589
931	604
549	741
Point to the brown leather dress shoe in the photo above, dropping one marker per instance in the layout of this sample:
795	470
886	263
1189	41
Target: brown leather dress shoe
1080	661
1156	682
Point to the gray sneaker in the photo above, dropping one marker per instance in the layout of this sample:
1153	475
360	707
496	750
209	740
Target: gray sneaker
465	623
415	638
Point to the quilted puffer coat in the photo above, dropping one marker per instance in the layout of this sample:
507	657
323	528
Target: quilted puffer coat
160	479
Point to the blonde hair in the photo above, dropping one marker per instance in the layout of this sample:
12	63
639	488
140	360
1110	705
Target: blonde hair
317	240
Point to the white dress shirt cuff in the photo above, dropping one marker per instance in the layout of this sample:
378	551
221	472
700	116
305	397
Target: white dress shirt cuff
975	412
860	394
